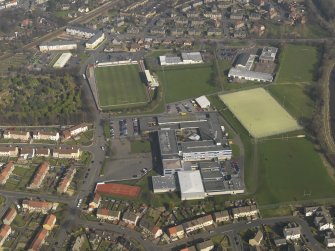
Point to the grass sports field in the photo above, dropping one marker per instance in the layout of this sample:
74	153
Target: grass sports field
120	86
291	170
294	98
183	82
259	113
297	64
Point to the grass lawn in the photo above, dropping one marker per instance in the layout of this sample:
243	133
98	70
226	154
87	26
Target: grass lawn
294	98
259	112
183	82
140	146
120	86
288	169
297	64
20	177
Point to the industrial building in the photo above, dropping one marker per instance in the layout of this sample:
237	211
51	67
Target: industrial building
62	60
58	46
250	75
163	184
94	41
186	58
191	187
191	57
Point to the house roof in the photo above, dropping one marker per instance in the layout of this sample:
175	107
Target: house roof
41	172
37	204
50	220
44	151
38	240
4	230
5	171
9	213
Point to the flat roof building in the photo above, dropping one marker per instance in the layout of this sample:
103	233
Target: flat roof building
169	60
191	57
245	61
168	143
58	46
268	54
203	102
250	75
62	60
191	187
163	184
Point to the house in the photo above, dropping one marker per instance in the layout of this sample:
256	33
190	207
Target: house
9	151
198	223
150	228
67	153
309	211
4	233
222	216
106	214
41	135
95	203
42	152
323	220
280	242
49	222
39	240
75	130
130	218
20	135
176	232
6	172
256	241
330	239
37	206
39	176
292	231
67	179
246	211
205	246
9	216
27	152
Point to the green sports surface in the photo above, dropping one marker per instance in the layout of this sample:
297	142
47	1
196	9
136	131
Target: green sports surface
260	113
120	86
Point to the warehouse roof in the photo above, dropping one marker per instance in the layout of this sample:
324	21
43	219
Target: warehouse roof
190	182
235	72
164	183
192	56
169	60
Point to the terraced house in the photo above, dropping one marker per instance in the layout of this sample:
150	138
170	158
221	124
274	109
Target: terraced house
66	181
6	172
9	151
20	135
39	176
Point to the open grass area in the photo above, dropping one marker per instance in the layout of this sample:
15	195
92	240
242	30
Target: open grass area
120	86
294	98
20	178
183	82
259	113
140	146
291	170
297	64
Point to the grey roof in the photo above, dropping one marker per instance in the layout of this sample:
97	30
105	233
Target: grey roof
62	42
168	142
164	183
200	146
235	72
194	56
269	53
280	242
95	37
205	244
242	59
209	165
81	29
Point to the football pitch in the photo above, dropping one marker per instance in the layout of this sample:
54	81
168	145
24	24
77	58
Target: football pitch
259	113
120	86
